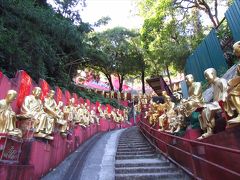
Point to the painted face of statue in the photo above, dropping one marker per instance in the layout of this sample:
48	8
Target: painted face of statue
189	79
236	49
51	94
37	92
210	75
11	96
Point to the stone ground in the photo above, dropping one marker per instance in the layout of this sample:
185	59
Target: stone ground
120	155
95	159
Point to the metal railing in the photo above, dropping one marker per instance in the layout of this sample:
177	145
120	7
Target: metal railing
200	160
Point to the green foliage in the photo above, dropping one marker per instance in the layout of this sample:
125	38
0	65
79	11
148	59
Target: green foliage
47	43
115	52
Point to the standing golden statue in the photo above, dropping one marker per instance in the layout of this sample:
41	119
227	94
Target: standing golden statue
233	100
207	117
8	116
32	107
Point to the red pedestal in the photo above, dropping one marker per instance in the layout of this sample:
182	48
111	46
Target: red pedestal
112	125
16	172
104	125
26	127
10	148
38	154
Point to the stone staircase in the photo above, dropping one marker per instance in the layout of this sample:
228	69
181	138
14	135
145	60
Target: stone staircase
136	159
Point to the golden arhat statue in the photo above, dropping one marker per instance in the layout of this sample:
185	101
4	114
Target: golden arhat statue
32	107
207	117
54	111
233	98
195	98
8	116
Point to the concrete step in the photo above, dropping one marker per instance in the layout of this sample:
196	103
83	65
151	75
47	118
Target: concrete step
151	169
147	156
133	146
142	141
132	149
141	162
130	138
149	176
135	152
133	143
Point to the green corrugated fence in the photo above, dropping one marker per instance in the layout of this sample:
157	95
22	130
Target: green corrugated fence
208	54
233	18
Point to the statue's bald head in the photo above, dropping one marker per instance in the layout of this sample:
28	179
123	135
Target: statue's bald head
37	92
210	74
11	96
51	93
189	79
236	49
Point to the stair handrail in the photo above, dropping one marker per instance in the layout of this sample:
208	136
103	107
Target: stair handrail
189	153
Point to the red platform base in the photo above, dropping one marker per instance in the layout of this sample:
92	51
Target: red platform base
10	148
16	172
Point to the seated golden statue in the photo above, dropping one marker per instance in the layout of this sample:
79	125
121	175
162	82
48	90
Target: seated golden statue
119	116
144	101
114	115
54	111
172	120
119	96
152	113
101	113
207	117
86	115
32	107
61	121
79	115
233	99
94	117
195	98
103	93
125	96
125	114
180	120
70	111
8	116
112	94
168	115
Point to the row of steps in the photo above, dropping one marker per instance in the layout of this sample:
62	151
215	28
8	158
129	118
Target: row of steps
137	160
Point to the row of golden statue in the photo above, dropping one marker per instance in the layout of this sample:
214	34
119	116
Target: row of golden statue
227	93
48	115
111	95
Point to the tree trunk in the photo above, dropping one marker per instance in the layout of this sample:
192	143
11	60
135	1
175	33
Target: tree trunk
120	80
169	77
110	81
143	80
